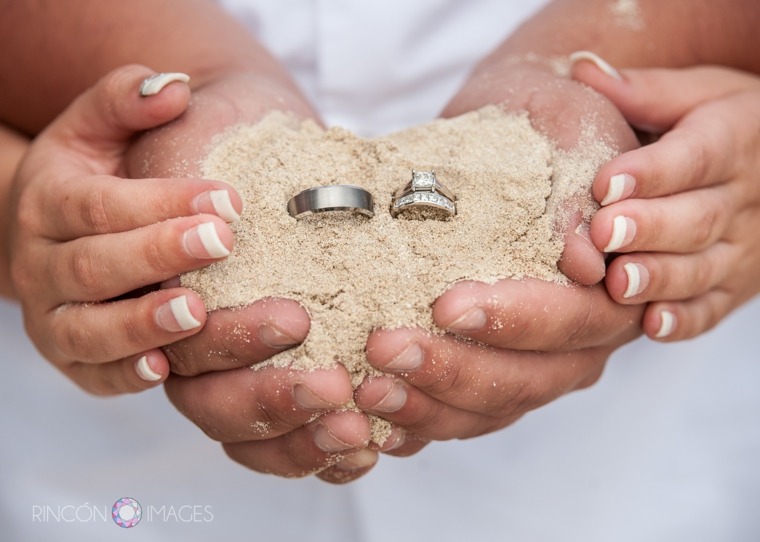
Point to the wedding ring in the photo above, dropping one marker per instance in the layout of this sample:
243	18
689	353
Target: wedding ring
424	190
337	197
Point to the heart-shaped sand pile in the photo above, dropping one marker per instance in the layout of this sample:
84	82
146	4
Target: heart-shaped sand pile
354	274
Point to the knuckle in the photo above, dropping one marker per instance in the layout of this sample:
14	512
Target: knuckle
84	271
94	212
181	356
72	342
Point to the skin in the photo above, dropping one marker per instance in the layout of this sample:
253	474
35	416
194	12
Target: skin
695	197
562	353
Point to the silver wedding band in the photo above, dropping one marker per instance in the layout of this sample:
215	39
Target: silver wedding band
338	197
424	190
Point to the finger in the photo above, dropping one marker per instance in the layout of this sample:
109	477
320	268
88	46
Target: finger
535	315
581	261
93	268
669	321
130	375
682	223
476	378
101	204
695	153
350	468
656	99
643	277
423	415
99	333
256	404
103	119
241	337
310	449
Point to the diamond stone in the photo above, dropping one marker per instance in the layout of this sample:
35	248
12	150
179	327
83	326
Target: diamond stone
423	180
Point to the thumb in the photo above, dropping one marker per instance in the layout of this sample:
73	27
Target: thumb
126	101
655	99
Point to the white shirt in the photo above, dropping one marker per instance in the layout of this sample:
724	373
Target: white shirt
663	448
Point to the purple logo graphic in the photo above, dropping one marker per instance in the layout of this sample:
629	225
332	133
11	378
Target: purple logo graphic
126	512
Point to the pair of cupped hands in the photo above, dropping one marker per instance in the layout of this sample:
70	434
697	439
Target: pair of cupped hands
108	201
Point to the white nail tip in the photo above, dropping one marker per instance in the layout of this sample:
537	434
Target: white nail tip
667	324
615	189
598	61
156	83
145	372
634	280
222	203
182	314
211	242
619	232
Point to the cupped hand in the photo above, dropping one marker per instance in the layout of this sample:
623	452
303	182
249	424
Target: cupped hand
81	238
682	213
511	347
567	112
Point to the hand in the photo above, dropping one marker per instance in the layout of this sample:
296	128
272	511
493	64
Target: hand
565	112
274	420
81	238
515	345
683	212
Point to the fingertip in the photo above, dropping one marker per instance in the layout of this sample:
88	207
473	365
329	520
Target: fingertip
661	323
581	261
398	350
152	367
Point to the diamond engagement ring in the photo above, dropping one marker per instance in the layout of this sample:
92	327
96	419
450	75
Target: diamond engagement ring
337	197
426	192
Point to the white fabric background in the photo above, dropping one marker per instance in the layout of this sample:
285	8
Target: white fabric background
663	448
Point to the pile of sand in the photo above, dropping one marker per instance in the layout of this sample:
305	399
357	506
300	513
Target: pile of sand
354	274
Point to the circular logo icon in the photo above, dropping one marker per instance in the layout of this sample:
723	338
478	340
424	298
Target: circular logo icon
126	512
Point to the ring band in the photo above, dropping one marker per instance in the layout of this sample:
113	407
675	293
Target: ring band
426	191
337	197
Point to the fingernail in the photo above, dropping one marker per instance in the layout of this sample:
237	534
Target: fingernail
409	359
309	400
217	202
274	337
394	441
393	400
472	320
620	186
176	316
203	242
358	461
598	61
623	232
145	371
156	82
638	279
667	324
327	442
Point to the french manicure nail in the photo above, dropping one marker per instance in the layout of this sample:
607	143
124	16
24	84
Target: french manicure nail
327	442
667	324
218	202
472	320
309	400
598	61
156	82
203	242
620	186
145	371
409	359
176	316
638	279
623	232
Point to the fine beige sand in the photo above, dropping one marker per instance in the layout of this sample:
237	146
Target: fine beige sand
354	274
